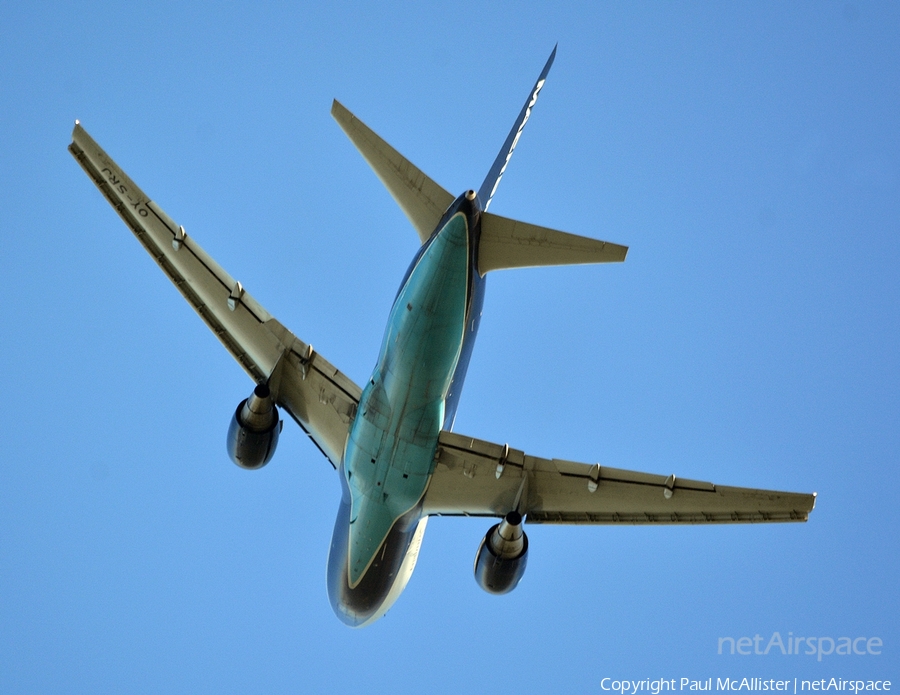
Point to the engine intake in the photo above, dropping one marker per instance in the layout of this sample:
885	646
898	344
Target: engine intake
253	433
502	555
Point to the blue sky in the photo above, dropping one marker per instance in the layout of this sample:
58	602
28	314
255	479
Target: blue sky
749	156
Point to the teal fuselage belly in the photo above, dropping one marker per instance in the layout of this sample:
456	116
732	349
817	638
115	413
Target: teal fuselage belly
411	395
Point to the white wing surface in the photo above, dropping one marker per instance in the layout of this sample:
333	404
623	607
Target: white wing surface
319	397
477	478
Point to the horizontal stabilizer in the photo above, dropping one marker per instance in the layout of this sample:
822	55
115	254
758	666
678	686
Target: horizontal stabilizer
507	243
421	199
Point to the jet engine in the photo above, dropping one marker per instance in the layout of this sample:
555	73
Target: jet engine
501	558
253	433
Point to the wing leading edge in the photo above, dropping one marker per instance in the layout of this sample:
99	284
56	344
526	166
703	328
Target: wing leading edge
320	398
477	478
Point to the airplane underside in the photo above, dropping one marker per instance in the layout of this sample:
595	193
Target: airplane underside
392	441
386	576
391	446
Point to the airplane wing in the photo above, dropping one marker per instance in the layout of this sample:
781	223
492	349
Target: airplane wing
477	478
320	398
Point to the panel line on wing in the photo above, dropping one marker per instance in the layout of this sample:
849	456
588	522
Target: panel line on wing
610	479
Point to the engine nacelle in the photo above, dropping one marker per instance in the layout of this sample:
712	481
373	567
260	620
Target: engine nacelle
502	555
253	433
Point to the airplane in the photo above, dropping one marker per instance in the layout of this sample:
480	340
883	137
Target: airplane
391	440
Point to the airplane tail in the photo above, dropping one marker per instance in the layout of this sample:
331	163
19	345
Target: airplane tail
492	180
505	243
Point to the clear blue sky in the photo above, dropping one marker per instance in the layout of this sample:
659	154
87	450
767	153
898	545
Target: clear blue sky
748	154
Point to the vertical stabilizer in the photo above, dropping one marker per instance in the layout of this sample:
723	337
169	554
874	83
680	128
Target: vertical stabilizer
492	180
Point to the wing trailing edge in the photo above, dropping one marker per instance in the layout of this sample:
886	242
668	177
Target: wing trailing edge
422	200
